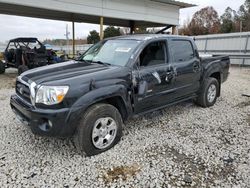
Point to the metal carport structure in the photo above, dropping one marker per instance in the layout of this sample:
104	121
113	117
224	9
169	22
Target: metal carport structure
129	13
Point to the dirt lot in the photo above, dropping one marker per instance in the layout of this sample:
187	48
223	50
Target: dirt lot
180	146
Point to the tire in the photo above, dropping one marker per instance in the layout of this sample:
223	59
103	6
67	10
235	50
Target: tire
90	136
209	93
22	68
2	67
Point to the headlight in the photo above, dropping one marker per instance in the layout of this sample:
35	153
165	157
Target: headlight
51	95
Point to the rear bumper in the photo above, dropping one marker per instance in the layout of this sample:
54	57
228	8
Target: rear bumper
46	122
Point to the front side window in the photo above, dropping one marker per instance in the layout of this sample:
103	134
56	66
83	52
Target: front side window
181	50
114	52
153	54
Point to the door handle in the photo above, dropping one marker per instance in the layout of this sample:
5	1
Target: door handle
169	77
170	74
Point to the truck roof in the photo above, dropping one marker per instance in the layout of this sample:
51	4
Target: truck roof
145	37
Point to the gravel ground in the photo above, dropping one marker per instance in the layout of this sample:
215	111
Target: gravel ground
180	146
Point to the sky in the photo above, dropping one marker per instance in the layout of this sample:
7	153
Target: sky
16	26
219	5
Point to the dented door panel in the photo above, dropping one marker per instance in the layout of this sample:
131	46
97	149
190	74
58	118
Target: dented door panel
154	89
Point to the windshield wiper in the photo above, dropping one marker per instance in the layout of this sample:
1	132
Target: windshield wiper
100	62
85	61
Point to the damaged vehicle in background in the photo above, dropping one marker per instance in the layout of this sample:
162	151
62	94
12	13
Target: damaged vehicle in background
114	80
25	54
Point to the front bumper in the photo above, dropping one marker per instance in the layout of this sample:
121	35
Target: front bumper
46	122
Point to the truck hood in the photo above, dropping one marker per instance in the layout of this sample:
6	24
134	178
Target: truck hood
64	70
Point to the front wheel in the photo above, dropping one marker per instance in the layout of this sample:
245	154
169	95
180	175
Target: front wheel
209	93
99	130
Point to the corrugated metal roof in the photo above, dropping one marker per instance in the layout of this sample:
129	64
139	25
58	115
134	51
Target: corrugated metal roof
177	3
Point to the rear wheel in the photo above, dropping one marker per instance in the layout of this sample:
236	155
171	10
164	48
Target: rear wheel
22	68
209	93
2	67
99	130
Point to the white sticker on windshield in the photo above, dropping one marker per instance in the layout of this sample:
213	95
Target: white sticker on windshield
123	49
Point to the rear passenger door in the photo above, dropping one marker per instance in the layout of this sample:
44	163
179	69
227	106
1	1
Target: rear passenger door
187	68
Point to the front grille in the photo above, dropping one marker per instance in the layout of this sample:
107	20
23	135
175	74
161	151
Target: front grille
23	91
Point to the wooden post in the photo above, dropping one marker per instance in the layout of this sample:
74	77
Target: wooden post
73	37
101	28
174	30
132	27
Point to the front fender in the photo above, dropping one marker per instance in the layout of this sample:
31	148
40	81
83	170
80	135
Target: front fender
100	94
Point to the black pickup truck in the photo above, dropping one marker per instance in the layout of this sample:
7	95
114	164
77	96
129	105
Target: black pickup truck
90	98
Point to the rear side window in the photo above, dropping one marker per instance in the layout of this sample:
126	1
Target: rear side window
181	50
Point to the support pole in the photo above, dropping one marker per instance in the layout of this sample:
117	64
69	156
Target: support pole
101	28
205	50
73	37
132	27
174	30
164	29
245	50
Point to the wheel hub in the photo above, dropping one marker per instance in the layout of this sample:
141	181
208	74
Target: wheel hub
104	132
211	94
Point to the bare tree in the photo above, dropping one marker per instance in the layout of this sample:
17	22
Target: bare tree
204	21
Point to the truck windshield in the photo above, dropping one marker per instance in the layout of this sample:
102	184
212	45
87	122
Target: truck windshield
114	52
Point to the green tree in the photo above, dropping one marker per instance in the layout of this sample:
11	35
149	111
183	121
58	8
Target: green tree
228	23
93	37
244	16
111	32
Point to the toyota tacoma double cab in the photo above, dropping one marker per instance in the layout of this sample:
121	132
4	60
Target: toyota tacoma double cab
89	99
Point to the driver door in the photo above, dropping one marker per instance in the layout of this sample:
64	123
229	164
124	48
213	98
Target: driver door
153	81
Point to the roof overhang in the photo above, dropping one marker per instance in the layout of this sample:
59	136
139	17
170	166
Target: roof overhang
67	16
176	3
149	13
